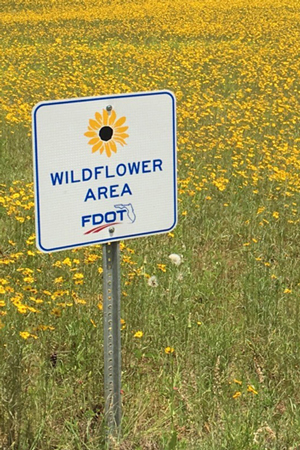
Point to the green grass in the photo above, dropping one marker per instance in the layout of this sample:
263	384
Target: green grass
231	309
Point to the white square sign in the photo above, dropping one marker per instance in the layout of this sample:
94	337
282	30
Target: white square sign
104	169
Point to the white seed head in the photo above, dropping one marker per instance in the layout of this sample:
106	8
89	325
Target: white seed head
175	259
153	281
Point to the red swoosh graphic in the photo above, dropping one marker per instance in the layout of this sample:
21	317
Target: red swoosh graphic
102	227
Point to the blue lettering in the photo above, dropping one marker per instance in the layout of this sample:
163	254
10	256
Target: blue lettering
145	166
84	220
134	167
131	168
57	178
98	171
126	190
107	173
121	170
90	195
157	163
97	221
121	213
72	177
113	219
102	190
88	176
112	191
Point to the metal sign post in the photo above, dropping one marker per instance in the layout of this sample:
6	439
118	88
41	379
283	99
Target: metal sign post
112	339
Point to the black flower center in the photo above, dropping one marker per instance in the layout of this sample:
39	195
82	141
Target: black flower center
105	133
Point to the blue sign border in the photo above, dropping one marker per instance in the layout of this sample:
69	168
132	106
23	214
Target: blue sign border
36	168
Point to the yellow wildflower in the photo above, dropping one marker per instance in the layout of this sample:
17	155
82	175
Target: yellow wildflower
67	262
24	334
251	389
56	312
58	280
169	350
237	394
138	334
162	267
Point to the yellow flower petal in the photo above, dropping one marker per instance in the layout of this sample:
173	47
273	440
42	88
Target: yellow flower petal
122	135
107	149
120	140
93	141
105	117
97	147
120	122
120	129
113	147
94	124
99	118
112	118
90	134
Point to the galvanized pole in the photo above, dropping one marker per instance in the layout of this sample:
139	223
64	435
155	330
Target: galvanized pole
112	339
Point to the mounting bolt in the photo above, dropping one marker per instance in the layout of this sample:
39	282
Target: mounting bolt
109	108
111	230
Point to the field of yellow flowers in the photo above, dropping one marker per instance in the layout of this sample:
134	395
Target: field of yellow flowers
210	312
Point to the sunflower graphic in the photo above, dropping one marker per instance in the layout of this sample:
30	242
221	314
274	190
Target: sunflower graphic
106	131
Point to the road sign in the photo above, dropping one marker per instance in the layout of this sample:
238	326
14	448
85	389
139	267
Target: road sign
104	169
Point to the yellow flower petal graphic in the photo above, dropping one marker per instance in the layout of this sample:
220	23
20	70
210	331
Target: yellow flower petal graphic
122	135
112	118
90	134
107	149
98	118
120	122
121	129
93	141
113	146
105	117
120	141
94	124
97	146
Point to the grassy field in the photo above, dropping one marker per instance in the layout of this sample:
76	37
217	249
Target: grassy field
211	348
